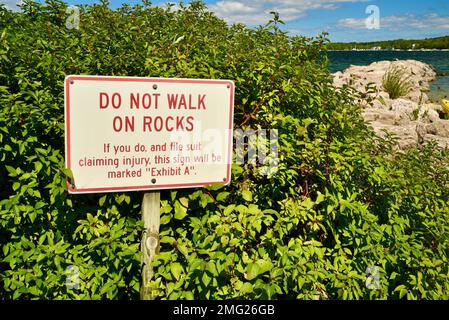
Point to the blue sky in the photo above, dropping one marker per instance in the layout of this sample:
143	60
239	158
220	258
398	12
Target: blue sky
345	20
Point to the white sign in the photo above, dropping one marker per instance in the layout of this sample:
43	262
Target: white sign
129	134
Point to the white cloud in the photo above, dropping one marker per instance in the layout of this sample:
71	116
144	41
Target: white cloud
239	11
430	21
11	4
258	11
352	23
235	6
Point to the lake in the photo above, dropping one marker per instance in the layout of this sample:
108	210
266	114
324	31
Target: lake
340	60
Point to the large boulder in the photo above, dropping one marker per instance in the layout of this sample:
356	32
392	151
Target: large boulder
362	78
385	116
405	107
411	118
439	128
406	135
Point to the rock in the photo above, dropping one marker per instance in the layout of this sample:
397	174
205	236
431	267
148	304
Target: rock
359	77
405	107
384	117
427	115
406	134
437	131
438	128
441	141
438	108
411	118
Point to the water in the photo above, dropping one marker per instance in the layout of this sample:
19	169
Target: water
340	60
439	89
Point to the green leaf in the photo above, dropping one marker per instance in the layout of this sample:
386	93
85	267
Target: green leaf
188	295
184	201
215	187
165	208
102	200
38	166
247	195
204	200
165	219
402	289
183	250
176	270
12	172
180	211
206	279
210	266
68	173
224	240
320	198
223	196
228	210
32	216
253	270
15	186
246	288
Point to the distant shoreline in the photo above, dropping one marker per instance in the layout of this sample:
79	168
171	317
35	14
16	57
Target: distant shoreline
391	50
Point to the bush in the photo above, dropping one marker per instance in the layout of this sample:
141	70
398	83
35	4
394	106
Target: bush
340	211
396	82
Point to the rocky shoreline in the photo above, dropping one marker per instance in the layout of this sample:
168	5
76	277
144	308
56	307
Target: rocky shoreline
413	118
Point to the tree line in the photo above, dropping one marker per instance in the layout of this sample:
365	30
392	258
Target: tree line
402	44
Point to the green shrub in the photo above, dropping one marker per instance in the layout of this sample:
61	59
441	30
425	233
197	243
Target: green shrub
396	82
340	205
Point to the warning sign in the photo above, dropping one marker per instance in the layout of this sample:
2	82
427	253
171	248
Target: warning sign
129	134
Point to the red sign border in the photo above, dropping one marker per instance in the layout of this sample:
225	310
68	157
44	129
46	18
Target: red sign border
155	81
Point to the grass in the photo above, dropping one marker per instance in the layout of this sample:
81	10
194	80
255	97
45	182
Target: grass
396	82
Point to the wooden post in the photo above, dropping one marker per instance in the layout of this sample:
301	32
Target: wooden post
150	240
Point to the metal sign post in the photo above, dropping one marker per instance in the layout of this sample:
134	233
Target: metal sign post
150	241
